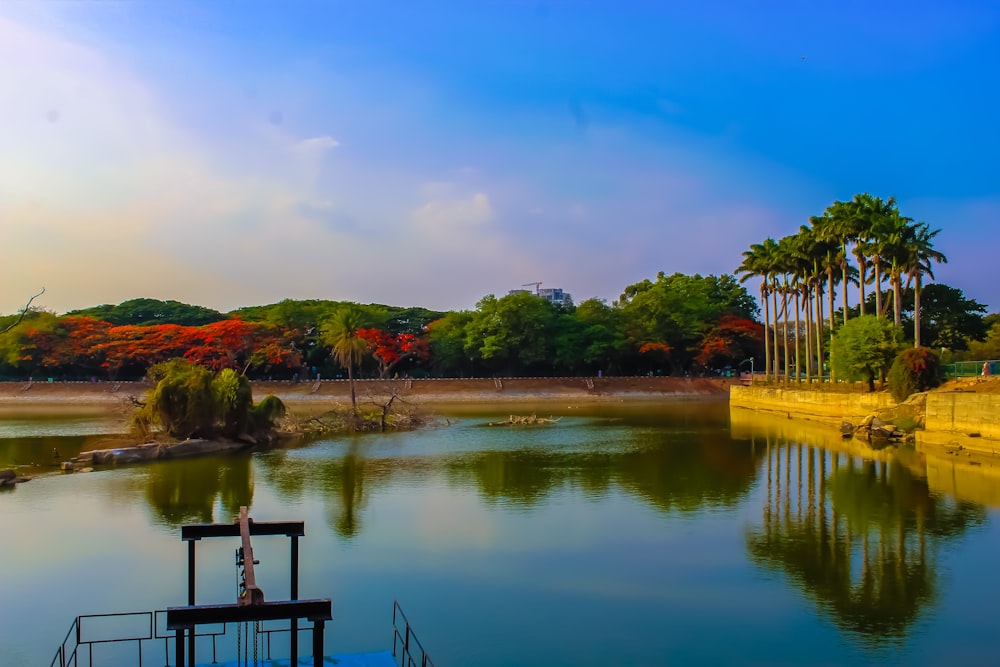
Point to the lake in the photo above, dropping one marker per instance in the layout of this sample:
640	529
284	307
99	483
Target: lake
622	535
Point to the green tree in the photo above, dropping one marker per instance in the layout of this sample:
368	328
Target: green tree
601	340
447	344
19	345
341	333
515	333
152	311
864	348
989	348
948	319
678	310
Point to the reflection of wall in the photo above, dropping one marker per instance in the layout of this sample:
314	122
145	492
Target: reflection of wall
817	405
746	424
965	481
974	478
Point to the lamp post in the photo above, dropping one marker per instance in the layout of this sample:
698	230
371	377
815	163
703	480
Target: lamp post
751	367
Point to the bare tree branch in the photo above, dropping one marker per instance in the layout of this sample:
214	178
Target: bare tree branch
23	312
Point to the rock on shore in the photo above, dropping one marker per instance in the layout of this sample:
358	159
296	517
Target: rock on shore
154	450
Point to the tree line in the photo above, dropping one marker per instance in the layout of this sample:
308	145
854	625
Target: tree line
672	324
865	242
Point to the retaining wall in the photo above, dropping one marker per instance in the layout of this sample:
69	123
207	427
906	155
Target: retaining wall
817	405
953	420
964	412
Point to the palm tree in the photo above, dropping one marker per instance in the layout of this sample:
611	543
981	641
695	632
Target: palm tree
919	255
819	258
770	258
856	221
833	227
896	232
756	263
833	259
880	220
788	266
341	334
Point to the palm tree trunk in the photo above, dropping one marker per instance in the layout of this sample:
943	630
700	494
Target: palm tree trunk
819	331
844	295
767	326
862	274
350	379
784	326
830	297
798	294
807	315
877	262
774	305
917	286
897	306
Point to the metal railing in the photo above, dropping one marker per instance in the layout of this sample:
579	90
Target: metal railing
411	651
967	369
77	648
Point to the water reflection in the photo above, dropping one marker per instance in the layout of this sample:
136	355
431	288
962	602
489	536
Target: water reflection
345	481
43	454
582	541
186	491
672	471
857	535
668	473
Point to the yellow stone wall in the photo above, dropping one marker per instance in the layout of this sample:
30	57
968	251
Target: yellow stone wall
964	412
818	405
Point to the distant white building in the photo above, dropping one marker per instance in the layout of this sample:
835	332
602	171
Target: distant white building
551	294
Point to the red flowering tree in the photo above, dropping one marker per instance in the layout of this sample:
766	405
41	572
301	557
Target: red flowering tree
659	352
389	350
731	341
67	344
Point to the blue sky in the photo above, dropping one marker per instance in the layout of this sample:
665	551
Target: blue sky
430	153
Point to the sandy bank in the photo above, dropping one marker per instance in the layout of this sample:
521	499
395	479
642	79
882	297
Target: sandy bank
24	396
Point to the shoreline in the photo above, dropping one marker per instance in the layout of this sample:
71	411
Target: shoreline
39	397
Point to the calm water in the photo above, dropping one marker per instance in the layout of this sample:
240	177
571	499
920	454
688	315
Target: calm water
628	536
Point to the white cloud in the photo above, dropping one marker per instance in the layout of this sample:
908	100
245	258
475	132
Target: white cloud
316	144
455	215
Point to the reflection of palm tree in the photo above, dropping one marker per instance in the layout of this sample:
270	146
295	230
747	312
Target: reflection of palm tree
351	488
880	508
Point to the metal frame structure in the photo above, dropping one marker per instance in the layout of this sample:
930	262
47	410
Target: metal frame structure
250	605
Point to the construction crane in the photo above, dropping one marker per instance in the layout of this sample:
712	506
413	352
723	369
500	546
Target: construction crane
536	284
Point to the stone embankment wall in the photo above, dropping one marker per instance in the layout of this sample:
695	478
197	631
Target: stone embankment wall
966	420
964	412
817	405
955	420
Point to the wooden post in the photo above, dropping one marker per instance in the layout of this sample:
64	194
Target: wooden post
252	594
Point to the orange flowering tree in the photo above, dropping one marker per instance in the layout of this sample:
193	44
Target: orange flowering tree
389	350
730	342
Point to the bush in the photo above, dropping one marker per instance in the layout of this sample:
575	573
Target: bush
190	402
863	348
914	370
